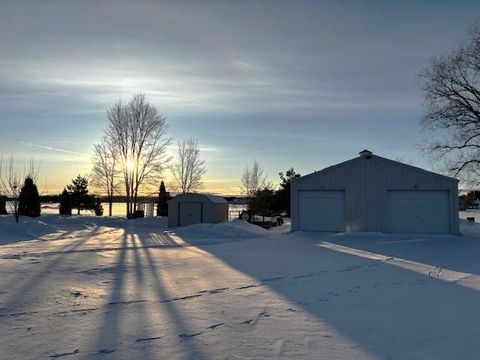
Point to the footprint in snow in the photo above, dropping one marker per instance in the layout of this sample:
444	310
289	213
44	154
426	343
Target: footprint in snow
128	302
214	326
20	314
247	287
188	336
254	321
217	291
77	294
83	310
148	339
56	355
105	351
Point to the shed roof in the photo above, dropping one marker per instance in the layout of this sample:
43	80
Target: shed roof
216	199
212	198
366	153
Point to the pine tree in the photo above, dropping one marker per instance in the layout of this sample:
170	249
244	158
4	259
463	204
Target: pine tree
282	201
29	199
98	207
65	203
162	204
3	205
79	190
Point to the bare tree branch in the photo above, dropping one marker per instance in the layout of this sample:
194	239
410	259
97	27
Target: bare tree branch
451	86
105	171
139	133
188	168
11	182
253	179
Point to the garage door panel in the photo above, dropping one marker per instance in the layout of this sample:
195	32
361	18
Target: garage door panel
420	212
190	213
321	210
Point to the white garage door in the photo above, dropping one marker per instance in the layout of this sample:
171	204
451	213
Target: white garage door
321	210
190	213
419	212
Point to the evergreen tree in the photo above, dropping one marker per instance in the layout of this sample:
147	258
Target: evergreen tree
79	190
98	207
162	204
282	196
29	199
65	203
262	203
3	205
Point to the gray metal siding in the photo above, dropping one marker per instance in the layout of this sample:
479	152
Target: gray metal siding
366	182
212	212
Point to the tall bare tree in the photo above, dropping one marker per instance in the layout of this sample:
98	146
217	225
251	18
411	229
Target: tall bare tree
11	178
105	171
451	86
188	168
139	133
253	179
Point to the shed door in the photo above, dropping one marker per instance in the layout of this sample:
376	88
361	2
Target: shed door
189	213
321	210
419	212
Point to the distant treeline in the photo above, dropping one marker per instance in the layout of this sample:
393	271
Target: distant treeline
116	199
122	199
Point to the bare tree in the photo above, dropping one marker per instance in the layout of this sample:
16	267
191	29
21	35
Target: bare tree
188	168
11	181
253	179
105	171
139	133
451	86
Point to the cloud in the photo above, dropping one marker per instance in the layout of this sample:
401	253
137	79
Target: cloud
65	151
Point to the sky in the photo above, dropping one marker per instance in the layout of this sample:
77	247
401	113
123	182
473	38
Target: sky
303	84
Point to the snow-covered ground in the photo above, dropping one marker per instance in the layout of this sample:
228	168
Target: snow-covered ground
86	287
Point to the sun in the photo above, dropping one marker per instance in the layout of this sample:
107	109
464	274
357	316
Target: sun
130	164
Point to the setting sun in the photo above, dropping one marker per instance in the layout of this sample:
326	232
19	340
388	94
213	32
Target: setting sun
130	164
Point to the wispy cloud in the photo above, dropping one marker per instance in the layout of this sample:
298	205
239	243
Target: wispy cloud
58	150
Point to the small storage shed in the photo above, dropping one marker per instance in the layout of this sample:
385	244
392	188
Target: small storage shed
371	193
187	209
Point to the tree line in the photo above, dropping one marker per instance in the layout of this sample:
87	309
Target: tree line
130	159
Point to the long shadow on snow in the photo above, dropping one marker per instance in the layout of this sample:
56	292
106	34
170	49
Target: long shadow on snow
108	334
115	327
174	316
386	309
40	275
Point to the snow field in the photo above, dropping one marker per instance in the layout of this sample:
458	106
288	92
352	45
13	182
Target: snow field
107	288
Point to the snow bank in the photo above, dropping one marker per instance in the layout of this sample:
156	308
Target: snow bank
236	229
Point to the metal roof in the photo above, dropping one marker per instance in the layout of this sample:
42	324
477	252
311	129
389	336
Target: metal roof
368	154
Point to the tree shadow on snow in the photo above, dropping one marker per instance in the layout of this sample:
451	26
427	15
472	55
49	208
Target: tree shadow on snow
41	274
127	319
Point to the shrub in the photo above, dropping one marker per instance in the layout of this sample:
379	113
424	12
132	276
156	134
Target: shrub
65	203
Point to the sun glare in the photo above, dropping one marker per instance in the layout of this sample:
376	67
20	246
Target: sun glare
130	164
